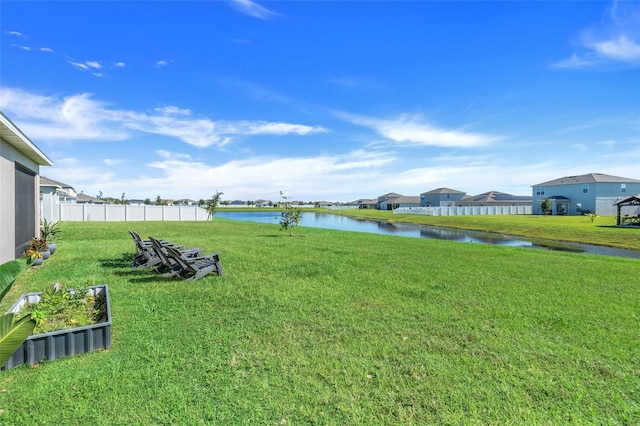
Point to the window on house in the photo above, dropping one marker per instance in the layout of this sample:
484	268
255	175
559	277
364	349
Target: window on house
623	187
585	188
25	208
540	190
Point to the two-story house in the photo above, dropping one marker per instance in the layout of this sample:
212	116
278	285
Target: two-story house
440	197
590	193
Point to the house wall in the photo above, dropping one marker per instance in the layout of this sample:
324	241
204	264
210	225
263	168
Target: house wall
408	204
573	192
484	203
599	199
440	200
9	156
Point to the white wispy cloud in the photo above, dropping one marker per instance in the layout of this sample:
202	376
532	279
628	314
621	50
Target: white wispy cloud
47	49
86	66
252	9
162	63
97	68
621	48
75	117
15	34
412	130
79	117
574	61
114	161
617	40
340	177
169	155
264	176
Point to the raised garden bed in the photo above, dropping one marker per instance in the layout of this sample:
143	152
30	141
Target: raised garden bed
62	343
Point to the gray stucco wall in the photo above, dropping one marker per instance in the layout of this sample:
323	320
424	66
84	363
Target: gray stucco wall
8	157
440	200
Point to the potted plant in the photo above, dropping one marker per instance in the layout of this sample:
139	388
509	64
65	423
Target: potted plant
49	231
67	322
12	333
39	245
35	256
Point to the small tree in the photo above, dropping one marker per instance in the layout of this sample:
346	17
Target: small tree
290	215
546	206
211	205
591	216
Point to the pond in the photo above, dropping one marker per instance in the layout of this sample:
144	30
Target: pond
344	223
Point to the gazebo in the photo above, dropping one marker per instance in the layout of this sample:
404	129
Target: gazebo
633	201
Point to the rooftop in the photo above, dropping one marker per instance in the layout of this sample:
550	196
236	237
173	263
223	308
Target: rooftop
588	178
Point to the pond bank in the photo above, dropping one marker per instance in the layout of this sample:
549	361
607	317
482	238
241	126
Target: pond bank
397	228
575	229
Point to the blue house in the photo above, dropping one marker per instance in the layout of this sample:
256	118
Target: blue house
590	193
440	197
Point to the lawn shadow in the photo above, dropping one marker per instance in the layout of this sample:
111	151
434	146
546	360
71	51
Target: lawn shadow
150	279
619	226
124	261
281	235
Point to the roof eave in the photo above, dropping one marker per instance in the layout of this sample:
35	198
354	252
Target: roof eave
14	137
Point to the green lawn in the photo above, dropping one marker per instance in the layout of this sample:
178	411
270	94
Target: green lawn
339	328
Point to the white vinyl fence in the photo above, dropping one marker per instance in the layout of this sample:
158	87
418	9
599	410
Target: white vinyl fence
343	207
464	211
115	212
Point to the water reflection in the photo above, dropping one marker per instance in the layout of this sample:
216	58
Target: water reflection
345	223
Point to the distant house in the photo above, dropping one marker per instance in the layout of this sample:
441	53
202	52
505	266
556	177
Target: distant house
87	199
64	192
324	203
495	198
20	161
263	203
441	197
407	201
52	193
387	201
590	193
185	202
366	203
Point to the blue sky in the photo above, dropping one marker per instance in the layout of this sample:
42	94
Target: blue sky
324	100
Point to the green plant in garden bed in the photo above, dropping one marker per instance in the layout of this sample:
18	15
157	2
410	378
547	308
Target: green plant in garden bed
60	309
12	333
49	230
